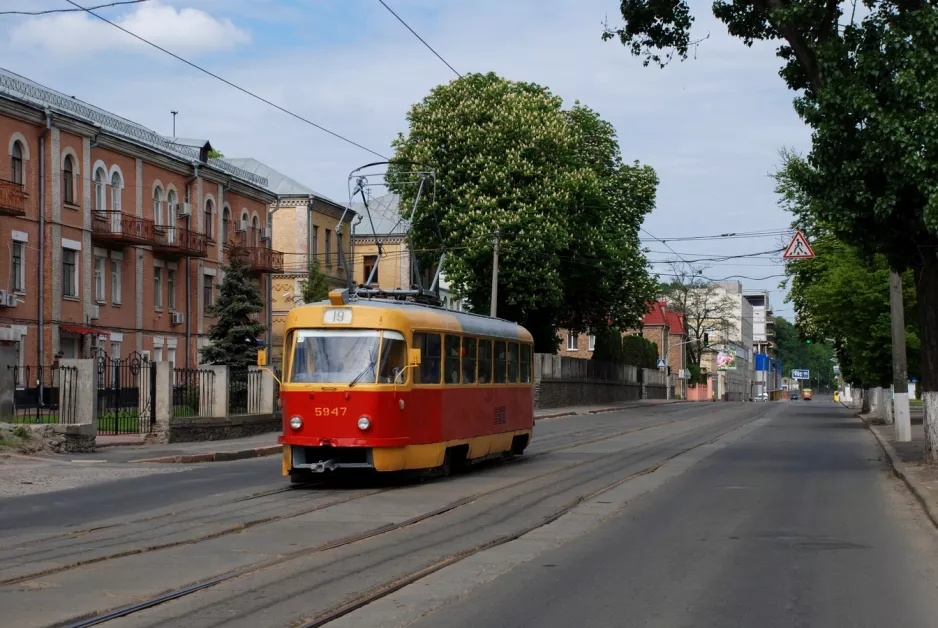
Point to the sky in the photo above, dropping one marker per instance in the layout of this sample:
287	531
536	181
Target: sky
711	126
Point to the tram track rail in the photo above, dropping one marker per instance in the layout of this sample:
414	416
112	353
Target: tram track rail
93	619
246	525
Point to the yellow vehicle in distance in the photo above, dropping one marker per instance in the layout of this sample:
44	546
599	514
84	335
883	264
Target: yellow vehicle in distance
807	394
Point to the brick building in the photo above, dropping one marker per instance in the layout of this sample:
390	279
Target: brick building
112	237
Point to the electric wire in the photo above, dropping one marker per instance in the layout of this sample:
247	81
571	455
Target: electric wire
50	11
429	47
227	82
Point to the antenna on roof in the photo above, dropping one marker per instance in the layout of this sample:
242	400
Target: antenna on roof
175	113
361	181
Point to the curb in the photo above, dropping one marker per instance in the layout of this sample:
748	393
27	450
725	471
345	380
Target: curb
219	456
899	468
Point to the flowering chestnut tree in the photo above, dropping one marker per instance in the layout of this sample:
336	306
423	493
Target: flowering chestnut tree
509	159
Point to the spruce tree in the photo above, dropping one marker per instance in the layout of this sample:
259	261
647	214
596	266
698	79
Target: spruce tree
234	334
315	287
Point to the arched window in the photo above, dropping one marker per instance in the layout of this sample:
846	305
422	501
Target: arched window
171	214
254	232
158	206
244	224
17	157
116	189
209	214
100	181
225	225
68	180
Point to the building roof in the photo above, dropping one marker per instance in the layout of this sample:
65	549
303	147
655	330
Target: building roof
384	213
15	87
277	182
676	323
657	313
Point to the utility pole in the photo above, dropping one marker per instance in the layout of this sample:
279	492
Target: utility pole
494	307
174	123
900	368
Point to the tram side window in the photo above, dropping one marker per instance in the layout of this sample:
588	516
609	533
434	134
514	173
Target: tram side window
431	350
525	364
468	360
485	361
512	363
501	360
451	363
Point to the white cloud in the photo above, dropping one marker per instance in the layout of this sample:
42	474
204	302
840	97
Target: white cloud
184	31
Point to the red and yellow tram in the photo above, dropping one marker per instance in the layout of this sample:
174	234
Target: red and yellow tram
394	385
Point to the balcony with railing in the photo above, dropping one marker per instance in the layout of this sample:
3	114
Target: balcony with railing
116	227
180	241
263	260
13	198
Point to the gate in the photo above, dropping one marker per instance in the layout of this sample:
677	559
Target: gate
126	399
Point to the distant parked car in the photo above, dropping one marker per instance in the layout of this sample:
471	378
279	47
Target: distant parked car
793	397
763	396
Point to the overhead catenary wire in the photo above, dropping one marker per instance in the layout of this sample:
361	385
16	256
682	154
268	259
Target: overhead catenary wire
76	10
243	90
429	47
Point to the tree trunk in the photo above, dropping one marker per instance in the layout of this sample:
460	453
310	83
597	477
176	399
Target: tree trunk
926	290
865	401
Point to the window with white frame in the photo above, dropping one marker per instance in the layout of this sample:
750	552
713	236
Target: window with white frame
171	354
572	342
100	192
158	206
70	273
99	294
592	342
158	354
116	279
171	288
18	267
254	232
116	188
158	287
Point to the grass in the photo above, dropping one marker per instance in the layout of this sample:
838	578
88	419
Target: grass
915	403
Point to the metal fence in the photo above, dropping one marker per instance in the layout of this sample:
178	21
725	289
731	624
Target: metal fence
126	400
193	392
244	391
45	394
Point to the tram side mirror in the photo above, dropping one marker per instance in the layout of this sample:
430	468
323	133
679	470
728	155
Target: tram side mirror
262	357
413	357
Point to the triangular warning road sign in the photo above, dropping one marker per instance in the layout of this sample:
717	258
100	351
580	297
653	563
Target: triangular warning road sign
799	248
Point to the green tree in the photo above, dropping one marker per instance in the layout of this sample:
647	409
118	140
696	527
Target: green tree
315	287
867	89
608	346
234	335
508	158
639	351
706	308
214	154
794	352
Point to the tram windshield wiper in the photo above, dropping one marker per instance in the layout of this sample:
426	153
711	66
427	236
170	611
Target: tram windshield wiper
370	366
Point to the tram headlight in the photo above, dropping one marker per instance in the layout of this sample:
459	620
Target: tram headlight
296	422
364	423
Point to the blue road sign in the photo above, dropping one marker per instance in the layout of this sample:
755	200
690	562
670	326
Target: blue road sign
800	374
662	363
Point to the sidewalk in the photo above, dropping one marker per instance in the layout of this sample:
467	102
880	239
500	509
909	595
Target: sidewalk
266	444
907	460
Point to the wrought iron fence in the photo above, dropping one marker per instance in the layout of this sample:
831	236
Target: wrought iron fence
45	394
193	392
126	399
244	391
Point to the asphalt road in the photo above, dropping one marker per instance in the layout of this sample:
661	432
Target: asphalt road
796	525
133	496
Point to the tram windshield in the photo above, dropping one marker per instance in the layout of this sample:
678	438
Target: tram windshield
334	356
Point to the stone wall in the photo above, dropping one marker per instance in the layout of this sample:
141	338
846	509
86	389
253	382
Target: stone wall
184	430
561	381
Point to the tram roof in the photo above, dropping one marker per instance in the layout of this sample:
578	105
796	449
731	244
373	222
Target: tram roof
472	324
